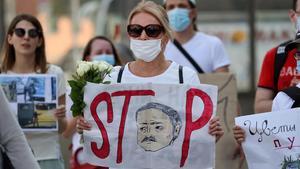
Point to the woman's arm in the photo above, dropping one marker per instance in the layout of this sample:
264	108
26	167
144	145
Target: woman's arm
60	114
12	138
71	128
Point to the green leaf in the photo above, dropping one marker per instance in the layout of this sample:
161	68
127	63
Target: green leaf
76	111
96	79
75	96
72	83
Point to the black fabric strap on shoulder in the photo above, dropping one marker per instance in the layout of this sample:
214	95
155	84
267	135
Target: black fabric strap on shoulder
120	74
294	93
180	71
280	58
180	74
188	56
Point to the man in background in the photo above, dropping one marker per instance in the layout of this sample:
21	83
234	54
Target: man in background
206	51
278	70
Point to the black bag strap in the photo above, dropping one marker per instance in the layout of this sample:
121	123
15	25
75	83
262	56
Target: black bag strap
294	93
280	59
120	74
188	56
180	74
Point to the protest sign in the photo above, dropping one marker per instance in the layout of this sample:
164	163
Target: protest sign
272	139
150	125
33	98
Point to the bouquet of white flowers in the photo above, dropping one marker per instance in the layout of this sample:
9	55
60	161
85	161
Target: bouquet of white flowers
94	72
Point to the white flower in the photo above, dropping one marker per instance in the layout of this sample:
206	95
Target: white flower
90	64
100	66
110	68
95	64
82	67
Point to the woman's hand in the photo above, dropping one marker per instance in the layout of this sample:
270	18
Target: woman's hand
60	112
239	134
82	124
215	128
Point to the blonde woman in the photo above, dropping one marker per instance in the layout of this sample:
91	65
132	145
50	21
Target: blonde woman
149	32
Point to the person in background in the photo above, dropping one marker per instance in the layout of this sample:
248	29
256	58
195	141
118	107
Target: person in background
99	48
272	80
206	51
287	87
149	32
24	53
12	139
191	47
290	97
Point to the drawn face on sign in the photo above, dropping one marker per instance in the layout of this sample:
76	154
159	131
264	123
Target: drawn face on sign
289	163
156	128
292	165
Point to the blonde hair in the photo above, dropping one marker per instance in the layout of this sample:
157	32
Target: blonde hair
155	10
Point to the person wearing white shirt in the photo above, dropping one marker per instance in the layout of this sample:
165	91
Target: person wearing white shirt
207	51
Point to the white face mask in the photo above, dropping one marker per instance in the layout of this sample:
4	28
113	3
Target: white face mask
146	50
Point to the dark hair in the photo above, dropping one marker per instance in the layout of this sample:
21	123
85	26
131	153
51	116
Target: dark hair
295	5
9	55
88	47
195	19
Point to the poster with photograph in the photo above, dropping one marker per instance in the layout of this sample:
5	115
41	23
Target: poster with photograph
33	98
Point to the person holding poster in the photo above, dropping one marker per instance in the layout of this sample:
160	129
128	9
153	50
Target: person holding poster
24	53
265	99
99	48
149	32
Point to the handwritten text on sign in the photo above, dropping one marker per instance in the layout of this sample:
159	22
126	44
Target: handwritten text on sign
275	138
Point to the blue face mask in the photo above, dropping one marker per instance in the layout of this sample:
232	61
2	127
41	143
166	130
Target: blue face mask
179	19
105	57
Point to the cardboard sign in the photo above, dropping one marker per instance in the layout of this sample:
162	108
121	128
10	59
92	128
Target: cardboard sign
150	125
227	111
272	139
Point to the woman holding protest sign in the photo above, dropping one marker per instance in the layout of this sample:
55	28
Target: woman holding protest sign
24	54
149	32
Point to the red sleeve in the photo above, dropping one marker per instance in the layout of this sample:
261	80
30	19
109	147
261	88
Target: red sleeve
266	78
